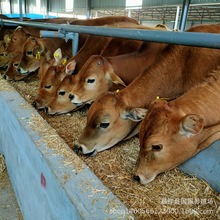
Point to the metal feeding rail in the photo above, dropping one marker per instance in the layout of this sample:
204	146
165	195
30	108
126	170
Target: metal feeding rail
209	40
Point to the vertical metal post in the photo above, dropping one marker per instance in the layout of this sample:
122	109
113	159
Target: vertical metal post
47	8
177	17
185	9
25	8
75	43
129	13
88	8
20	10
10	8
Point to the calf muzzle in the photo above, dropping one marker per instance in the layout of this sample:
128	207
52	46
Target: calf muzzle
34	104
137	178
71	97
46	109
78	148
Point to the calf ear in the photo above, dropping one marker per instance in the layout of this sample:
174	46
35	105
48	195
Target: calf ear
115	78
7	39
135	114
70	67
39	48
57	56
191	124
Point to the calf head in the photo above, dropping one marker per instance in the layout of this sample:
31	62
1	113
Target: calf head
51	73
17	40
33	54
48	85
4	58
7	37
60	103
168	137
109	121
11	73
95	77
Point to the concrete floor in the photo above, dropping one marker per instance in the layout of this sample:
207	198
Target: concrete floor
9	209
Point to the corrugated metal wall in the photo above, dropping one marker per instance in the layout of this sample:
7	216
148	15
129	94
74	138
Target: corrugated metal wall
57	6
33	6
79	4
204	1
148	3
106	4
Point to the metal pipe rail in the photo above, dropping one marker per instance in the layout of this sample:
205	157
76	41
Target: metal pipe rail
208	40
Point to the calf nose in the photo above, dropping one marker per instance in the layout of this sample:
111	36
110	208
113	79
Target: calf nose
5	67
46	109
78	148
19	70
34	104
71	97
136	178
4	77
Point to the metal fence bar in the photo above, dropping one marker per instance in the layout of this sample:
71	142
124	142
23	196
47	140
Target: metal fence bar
64	35
183	38
185	9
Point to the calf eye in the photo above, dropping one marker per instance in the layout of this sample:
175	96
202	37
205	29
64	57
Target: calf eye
104	125
29	52
62	93
14	39
15	64
47	87
1	54
90	80
158	147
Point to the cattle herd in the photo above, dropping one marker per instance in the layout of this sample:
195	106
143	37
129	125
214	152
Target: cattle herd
167	93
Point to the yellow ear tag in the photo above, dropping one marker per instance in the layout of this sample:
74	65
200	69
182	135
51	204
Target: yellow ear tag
117	90
64	61
38	55
56	54
8	39
163	98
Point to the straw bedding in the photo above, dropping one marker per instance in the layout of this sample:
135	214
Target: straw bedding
172	195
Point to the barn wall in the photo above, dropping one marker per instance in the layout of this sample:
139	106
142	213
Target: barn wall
106	4
79	4
148	3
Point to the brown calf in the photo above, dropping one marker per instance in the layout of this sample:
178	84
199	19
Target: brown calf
175	131
19	37
3	58
35	50
51	73
114	116
11	73
100	74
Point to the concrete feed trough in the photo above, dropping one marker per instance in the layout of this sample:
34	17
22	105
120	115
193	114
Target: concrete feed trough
45	184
